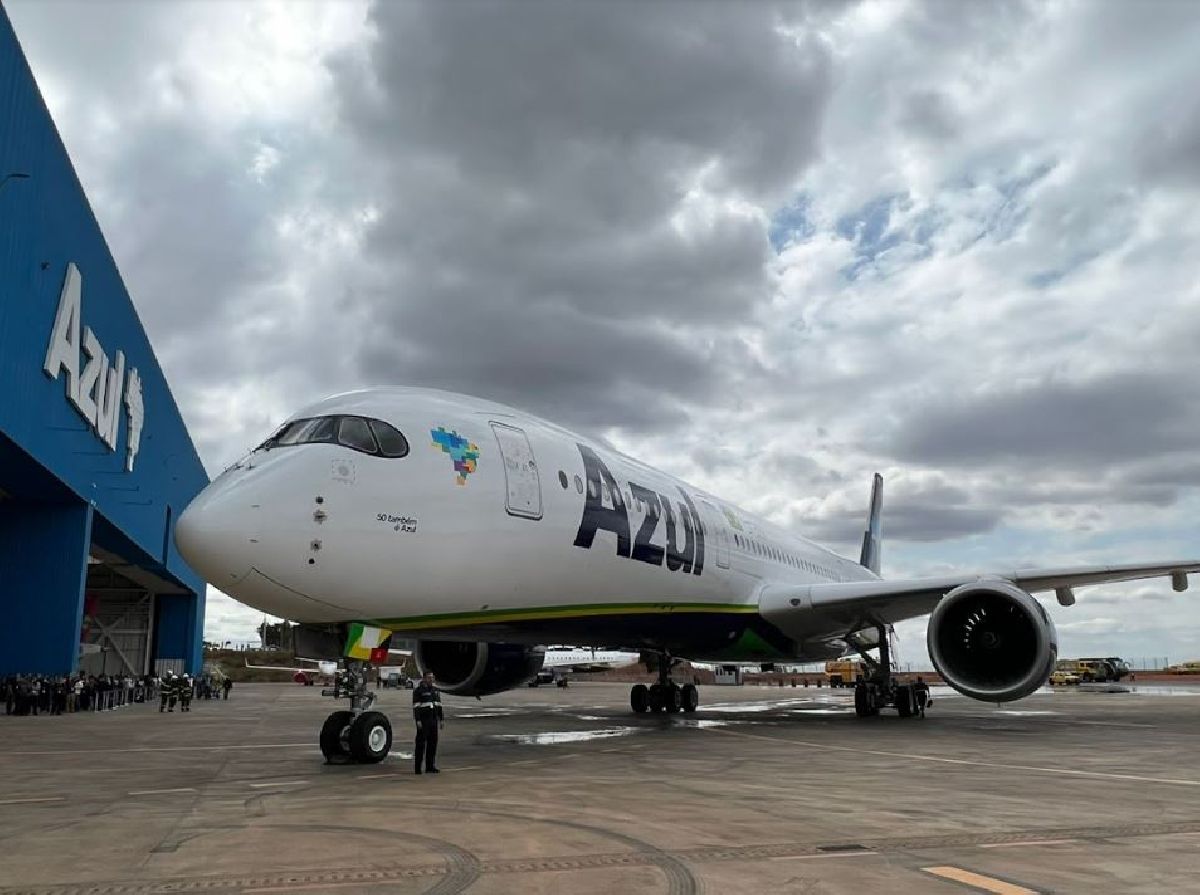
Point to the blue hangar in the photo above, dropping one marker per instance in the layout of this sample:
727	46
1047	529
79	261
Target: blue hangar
95	460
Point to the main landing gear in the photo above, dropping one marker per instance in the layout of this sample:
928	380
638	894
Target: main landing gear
879	689
666	695
358	734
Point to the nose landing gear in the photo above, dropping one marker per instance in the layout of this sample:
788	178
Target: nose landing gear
666	695
358	734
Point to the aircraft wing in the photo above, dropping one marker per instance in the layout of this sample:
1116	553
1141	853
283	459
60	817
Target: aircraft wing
582	667
280	668
857	604
292	668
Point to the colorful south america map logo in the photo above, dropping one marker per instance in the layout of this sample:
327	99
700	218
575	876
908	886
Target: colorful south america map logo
465	454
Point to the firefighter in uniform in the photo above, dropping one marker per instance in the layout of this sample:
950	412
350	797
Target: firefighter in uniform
185	693
167	693
427	712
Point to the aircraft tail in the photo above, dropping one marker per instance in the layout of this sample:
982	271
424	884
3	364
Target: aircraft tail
872	544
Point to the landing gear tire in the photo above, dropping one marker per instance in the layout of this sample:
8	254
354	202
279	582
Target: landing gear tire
864	702
370	737
904	701
639	698
657	702
690	697
672	698
335	725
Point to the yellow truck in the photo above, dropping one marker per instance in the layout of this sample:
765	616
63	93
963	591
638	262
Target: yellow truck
1088	670
843	672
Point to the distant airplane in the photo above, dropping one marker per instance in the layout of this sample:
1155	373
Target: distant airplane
559	661
302	675
495	532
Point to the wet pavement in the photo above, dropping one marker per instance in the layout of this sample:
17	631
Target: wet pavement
550	790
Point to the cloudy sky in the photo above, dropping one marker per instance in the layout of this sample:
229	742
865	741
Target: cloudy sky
770	247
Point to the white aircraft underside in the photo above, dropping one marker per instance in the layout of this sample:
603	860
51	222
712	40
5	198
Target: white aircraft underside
500	527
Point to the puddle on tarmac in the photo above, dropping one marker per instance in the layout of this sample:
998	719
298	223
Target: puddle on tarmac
824	710
1020	714
1164	690
817	705
550	737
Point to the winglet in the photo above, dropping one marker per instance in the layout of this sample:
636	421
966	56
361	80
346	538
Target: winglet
872	545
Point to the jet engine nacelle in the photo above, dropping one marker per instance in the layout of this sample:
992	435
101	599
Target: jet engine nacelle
992	641
462	668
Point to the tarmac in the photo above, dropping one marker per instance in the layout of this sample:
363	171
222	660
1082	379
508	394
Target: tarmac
564	790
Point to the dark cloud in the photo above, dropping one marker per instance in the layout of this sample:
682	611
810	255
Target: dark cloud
1115	418
565	218
921	512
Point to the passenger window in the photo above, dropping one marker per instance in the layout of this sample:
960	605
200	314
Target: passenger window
353	432
391	442
579	484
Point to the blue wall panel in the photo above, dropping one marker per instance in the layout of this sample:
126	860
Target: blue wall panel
43	565
178	629
46	225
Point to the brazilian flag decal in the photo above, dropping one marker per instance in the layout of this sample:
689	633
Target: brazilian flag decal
368	643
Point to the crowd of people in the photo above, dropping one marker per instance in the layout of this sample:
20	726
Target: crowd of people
33	694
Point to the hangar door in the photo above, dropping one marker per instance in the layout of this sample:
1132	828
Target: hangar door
524	488
115	634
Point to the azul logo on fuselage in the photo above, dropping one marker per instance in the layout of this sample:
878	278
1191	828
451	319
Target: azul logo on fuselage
605	509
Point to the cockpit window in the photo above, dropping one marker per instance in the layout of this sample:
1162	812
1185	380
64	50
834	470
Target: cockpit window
368	436
354	432
306	432
391	442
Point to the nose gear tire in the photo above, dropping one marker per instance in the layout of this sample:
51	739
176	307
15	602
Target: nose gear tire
370	737
335	725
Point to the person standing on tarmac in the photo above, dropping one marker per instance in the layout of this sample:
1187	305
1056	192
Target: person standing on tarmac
921	695
167	693
226	686
427	712
185	693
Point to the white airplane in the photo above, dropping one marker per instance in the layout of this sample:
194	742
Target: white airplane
302	675
483	532
559	661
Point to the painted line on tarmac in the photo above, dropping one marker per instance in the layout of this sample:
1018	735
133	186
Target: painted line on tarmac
376	776
1026	843
169	749
26	801
849	854
303	887
979	881
156	792
280	783
1068	772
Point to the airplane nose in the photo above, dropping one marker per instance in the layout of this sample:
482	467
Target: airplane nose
217	535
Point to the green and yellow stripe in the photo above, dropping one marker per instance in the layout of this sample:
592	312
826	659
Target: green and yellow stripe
544	613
